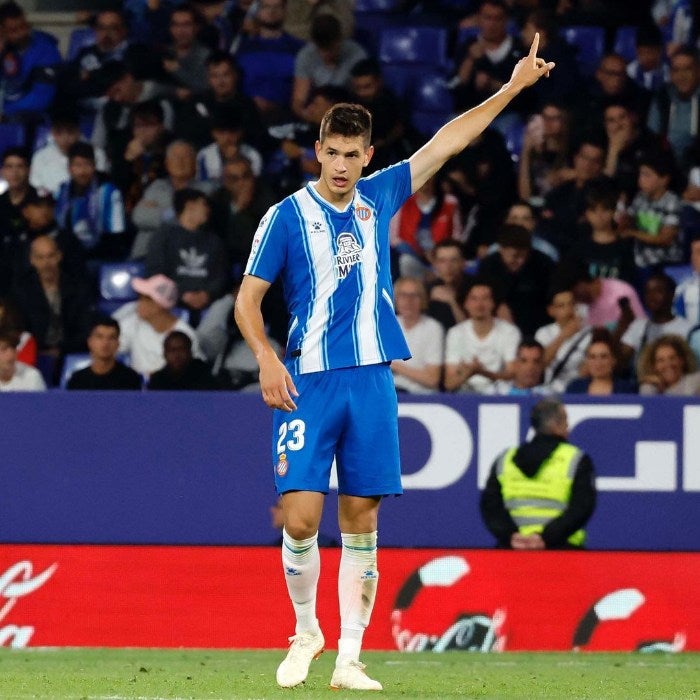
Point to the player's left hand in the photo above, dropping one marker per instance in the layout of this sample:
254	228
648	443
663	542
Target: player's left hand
529	69
277	385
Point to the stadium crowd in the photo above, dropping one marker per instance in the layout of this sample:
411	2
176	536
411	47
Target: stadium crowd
559	252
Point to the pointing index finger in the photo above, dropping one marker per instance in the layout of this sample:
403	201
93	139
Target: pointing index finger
533	48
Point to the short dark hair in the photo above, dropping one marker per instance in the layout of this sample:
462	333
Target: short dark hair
10	10
65	117
545	413
367	66
601	192
217	57
514	236
17	152
81	149
664	278
686	50
185	195
187	8
326	30
660	161
344	119
150	109
478	281
649	34
103	320
530	342
10	335
178	335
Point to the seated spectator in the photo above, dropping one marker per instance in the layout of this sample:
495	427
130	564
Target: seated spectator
326	59
667	366
15	172
182	371
545	154
523	276
237	208
90	207
599	244
687	300
55	306
267	60
478	351
156	205
388	123
146	322
229	135
690	198
105	371
148	22
186	58
301	14
565	341
421	373
599	369
189	254
49	166
428	216
648	68
11	319
659	290
14	374
527	372
524	214
446	286
28	61
653	217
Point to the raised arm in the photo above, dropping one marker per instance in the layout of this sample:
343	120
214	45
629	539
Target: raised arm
275	381
456	135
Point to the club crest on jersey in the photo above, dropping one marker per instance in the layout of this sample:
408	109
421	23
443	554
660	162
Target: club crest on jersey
362	213
349	253
282	465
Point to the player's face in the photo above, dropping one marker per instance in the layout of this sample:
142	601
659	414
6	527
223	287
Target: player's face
342	159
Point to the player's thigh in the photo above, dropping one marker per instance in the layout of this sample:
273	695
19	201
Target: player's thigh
304	441
368	454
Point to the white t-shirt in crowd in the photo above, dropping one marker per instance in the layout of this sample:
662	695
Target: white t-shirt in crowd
25	378
426	341
494	351
642	331
572	349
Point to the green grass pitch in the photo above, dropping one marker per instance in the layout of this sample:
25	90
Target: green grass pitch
151	674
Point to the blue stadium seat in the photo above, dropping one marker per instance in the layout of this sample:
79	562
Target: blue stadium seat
115	284
432	104
514	139
424	46
626	43
79	38
72	362
678	272
400	78
41	136
11	135
589	43
363	6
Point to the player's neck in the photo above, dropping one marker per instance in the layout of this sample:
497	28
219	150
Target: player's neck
338	200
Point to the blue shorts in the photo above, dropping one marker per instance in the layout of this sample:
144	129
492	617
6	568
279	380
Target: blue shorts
350	414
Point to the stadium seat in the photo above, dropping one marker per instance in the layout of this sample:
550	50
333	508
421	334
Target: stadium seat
115	284
422	46
589	43
365	6
678	272
514	140
626	43
11	135
431	104
41	136
400	78
72	362
79	38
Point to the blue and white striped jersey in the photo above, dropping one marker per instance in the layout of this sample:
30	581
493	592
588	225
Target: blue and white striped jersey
336	273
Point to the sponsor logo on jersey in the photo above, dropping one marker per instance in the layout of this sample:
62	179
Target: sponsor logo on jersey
349	253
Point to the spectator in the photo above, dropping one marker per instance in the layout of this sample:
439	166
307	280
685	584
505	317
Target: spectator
544	157
599	245
105	371
49	167
28	62
237	208
301	13
90	207
325	60
674	109
156	205
523	276
14	374
564	205
148	22
267	61
15	172
444	290
428	216
421	373
11	319
145	323
233	363
687	301
659	290
540	495
648	68
478	351
667	366
186	59
527	370
599	367
55	306
182	371
229	135
675	18
188	254
652	219
524	214
565	340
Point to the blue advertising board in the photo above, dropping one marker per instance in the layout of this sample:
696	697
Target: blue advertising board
195	468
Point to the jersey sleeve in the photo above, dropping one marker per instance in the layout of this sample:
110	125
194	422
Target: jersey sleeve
393	184
269	249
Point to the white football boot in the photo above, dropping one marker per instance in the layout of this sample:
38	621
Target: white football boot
303	649
350	675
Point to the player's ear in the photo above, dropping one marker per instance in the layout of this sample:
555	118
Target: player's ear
317	148
368	156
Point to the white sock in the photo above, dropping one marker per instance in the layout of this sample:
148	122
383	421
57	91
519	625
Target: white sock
357	589
302	566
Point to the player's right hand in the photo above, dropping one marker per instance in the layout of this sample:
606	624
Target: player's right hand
277	385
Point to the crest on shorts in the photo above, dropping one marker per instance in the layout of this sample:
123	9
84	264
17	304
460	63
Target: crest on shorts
349	253
282	465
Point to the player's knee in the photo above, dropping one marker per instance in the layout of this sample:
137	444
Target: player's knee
300	528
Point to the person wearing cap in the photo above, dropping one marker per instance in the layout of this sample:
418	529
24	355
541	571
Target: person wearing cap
16	375
145	323
229	136
541	495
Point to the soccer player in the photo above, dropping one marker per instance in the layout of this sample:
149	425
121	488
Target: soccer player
334	395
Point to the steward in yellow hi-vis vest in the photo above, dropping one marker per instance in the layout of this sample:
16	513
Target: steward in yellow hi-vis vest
540	495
